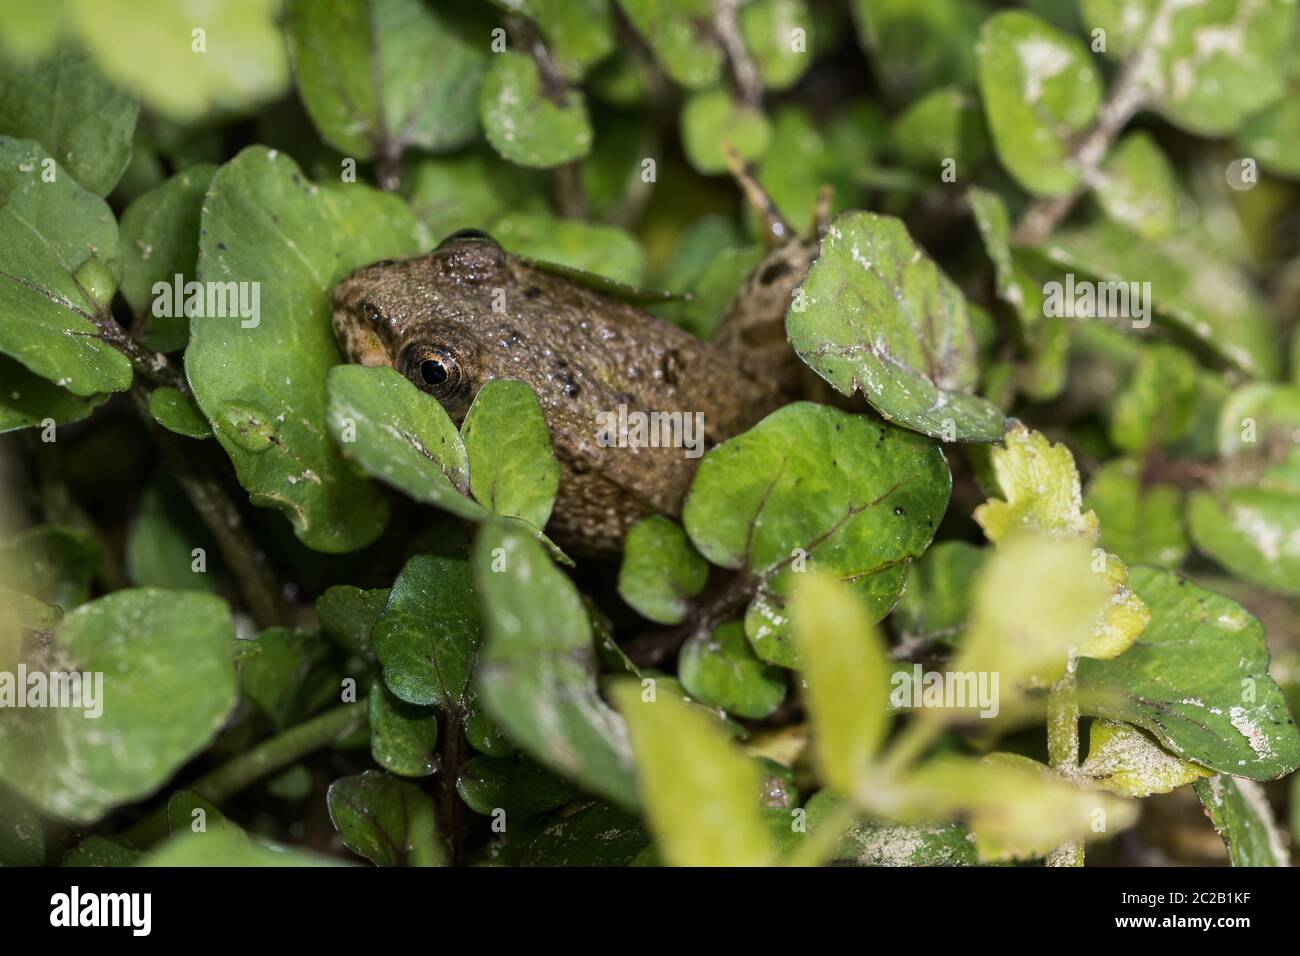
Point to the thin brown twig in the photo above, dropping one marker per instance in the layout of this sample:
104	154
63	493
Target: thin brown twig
749	87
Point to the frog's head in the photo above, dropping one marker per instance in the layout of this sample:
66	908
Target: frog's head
421	316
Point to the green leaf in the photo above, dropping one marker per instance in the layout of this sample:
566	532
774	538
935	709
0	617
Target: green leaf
59	264
937	600
916	47
846	674
189	812
388	821
876	314
715	117
1241	814
262	386
1158	401
400	435
427	637
241	65
870	843
1124	760
537	674
661	570
720	670
597	835
167	685
402	735
347	614
67	105
1189	290
578	33
470	191
606	251
1272	136
1137	187
378	76
292	677
28	401
946	124
768	29
680	32
160	240
177	412
513	784
526	123
1040	91
54	563
700	792
798	164
512	466
1198	680
814	484
100	851
161	542
22	842
1140	522
225	848
1014	284
1206	66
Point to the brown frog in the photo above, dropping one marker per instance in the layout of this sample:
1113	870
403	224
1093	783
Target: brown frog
469	311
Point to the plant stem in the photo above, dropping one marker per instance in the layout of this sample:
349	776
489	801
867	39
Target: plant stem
450	809
749	88
1063	749
247	562
266	758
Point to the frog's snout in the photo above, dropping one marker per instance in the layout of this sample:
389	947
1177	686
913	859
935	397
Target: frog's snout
356	337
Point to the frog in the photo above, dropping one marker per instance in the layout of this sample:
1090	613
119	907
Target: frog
469	311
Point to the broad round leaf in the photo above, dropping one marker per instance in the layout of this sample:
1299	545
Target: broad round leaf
527	124
512	466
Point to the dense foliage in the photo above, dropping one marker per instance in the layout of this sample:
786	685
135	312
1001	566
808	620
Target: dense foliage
1052	463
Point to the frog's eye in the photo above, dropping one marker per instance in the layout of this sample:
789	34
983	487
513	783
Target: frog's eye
434	370
371	312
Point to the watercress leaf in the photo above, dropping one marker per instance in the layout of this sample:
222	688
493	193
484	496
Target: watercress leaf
945	124
813	484
714	117
101	851
1015	284
484	735
537	674
192	60
60	263
228	849
714	288
846	673
1040	90
1141	523
1189	290
700	792
168	685
798	164
578	33
1137	187
65	103
513	784
470	190
260	380
160	240
427	637
1124	760
916	47
768	29
400	435
1251	532
604	251
29	401
680	32
937	600
190	812
386	820
347	614
402	735
22	842
381	75
721	670
161	541
875	313
1158	401
1242	816
875	843
661	570
1272	136
512	466
292	677
597	835
1198	681
526	123
54	563
1205	67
